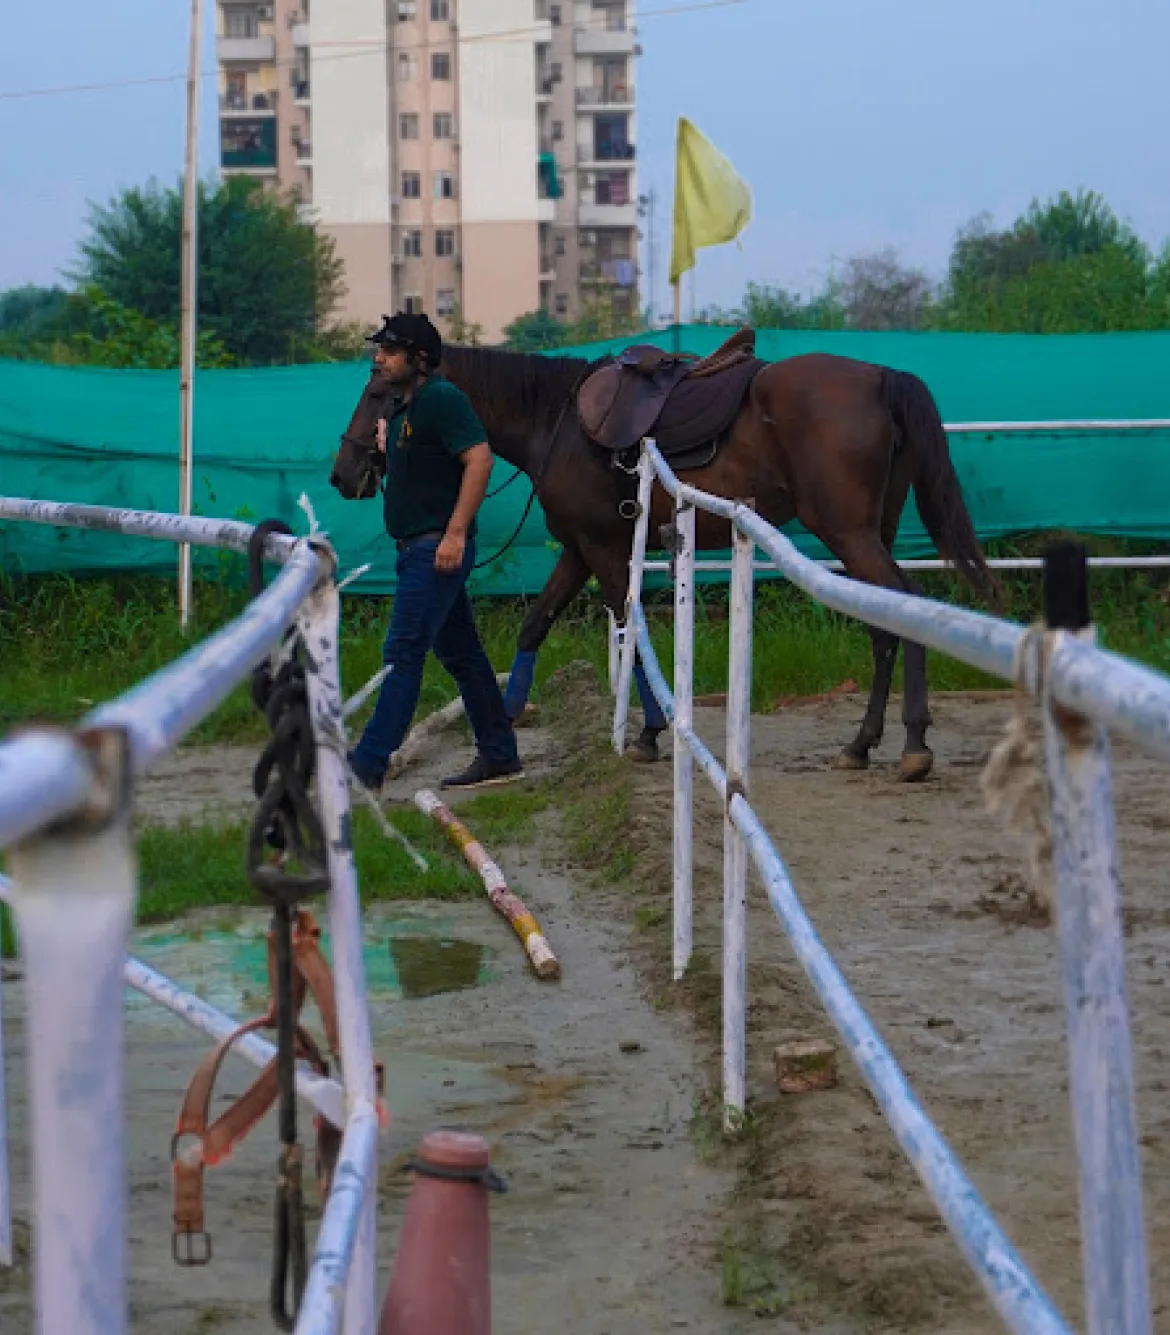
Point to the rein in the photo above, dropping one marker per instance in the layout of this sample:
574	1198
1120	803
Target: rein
541	471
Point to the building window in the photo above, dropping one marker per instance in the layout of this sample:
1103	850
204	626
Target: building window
412	244
236	97
554	14
440	13
408	125
411	185
445	301
444	185
444	125
407	66
441	65
562	304
413	305
444	242
407	10
558	130
559	245
241	23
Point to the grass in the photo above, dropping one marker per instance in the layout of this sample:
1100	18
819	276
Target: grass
200	866
68	644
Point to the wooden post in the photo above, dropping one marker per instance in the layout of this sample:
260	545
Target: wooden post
190	306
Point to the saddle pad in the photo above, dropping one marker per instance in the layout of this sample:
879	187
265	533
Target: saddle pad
703	408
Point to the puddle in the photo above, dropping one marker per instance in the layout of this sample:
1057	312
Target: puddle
427	966
226	963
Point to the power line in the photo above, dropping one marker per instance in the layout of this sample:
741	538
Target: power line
374	48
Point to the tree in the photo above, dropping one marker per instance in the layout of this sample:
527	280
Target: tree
468	333
767	307
28	311
877	292
1067	266
267	280
536	331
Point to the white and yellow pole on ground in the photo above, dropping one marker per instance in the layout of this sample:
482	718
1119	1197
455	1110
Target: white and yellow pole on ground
508	905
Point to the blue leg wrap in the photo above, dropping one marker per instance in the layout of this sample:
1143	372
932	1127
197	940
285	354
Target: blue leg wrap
520	683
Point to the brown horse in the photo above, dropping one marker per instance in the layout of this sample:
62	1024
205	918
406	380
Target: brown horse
832	442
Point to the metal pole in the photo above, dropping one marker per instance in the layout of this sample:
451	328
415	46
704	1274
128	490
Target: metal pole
684	768
1088	914
320	627
5	1177
190	304
739	706
633	596
73	895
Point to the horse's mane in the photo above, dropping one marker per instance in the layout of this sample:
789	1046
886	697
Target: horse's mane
507	383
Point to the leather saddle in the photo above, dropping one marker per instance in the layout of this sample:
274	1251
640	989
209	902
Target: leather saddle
686	403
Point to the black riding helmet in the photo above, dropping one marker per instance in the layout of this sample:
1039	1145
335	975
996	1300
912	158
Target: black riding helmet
414	332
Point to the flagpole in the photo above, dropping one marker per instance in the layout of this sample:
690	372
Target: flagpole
189	302
677	315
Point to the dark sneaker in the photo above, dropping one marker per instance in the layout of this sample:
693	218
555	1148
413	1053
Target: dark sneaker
366	780
483	773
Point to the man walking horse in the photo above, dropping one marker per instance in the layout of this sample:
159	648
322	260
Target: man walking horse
835	443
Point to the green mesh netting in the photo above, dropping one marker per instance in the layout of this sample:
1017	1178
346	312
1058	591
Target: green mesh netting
263	437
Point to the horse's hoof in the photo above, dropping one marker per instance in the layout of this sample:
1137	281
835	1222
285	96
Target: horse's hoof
852	760
643	752
915	766
527	717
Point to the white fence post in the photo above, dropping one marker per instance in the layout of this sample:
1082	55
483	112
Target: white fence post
73	894
739	707
613	643
357	1165
684	765
634	595
6	1246
1088	915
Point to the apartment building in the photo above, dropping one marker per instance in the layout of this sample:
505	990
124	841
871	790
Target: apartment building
469	157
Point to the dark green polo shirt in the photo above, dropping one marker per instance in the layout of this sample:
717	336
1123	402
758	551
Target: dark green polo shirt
424	439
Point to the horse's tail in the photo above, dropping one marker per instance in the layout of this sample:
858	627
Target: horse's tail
937	491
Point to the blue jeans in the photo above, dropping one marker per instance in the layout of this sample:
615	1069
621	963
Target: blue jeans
432	611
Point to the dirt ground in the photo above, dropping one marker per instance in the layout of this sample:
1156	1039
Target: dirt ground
916	892
611	1221
623	1214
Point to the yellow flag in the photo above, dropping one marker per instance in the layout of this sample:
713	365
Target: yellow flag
711	204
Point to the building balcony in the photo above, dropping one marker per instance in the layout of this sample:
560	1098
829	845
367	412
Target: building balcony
613	97
616	273
605	41
607	157
302	92
304	151
546	210
607	215
248	143
300	35
253	50
542	31
243	104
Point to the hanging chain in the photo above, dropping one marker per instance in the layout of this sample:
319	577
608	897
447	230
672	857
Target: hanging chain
285	830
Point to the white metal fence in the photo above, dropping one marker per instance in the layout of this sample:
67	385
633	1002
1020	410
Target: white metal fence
66	798
1083	693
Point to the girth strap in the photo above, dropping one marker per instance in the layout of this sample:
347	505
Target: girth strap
215	1141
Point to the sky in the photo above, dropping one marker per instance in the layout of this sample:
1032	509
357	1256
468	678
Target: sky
857	124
